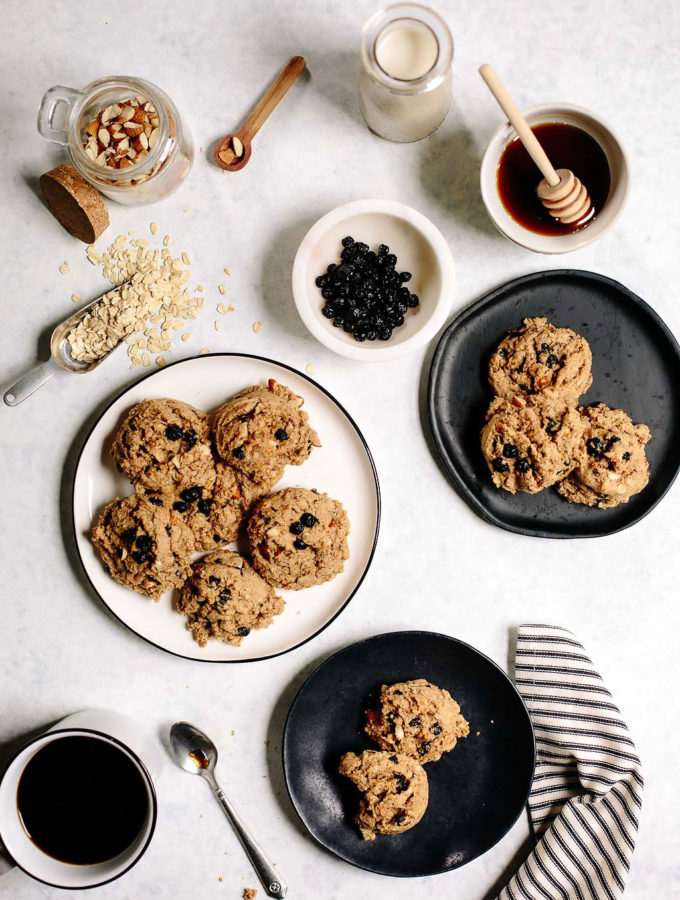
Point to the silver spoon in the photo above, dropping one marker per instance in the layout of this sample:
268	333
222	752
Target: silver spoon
194	752
60	356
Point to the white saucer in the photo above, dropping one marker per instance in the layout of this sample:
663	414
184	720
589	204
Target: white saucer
342	467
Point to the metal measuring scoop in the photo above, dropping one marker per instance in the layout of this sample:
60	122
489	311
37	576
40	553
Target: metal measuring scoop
194	752
60	359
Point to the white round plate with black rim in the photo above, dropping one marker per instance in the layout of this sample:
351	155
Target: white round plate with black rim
476	791
636	367
342	467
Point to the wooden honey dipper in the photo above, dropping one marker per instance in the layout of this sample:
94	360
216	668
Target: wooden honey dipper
560	191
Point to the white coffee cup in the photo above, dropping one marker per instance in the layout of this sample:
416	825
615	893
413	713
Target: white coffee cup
127	736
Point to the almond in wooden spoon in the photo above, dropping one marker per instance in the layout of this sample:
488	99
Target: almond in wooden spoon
233	151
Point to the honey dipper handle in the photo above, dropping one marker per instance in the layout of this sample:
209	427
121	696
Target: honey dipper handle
519	123
272	98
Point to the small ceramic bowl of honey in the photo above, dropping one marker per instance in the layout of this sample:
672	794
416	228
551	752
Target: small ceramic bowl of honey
573	138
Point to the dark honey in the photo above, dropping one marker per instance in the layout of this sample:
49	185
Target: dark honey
82	800
567	147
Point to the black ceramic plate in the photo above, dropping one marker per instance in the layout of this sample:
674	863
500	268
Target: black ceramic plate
477	791
636	367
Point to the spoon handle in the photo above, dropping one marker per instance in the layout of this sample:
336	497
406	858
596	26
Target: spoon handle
272	882
30	382
272	98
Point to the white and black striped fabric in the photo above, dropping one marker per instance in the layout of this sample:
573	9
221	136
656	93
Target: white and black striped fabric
587	791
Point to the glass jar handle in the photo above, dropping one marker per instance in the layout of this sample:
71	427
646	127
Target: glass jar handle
55	97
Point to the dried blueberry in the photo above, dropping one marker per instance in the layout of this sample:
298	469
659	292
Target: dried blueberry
238	453
204	506
436	729
552	427
594	446
156	501
296	528
129	535
423	748
551	361
190	437
243	631
402	784
308	520
499	466
415	722
281	434
144	543
224	596
180	506
173	432
191	494
299	544
399	818
139	556
347	241
510	451
522	465
214	580
626	455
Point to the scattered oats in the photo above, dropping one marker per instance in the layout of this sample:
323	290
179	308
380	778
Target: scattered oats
257	326
202	352
65	268
200	288
233	732
218	325
186	210
227	272
178	324
309	368
76	298
222	289
186	259
231	307
133	231
146	359
186	336
299	612
161	361
221	308
166	240
154	228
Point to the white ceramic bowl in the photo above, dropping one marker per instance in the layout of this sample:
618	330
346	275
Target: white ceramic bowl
618	191
420	249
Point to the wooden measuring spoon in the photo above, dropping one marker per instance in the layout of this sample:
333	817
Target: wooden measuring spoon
233	151
560	191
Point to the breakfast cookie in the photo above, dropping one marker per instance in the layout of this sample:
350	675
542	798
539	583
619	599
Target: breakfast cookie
144	546
215	516
261	430
224	598
298	538
417	719
540	357
530	443
395	791
165	444
611	462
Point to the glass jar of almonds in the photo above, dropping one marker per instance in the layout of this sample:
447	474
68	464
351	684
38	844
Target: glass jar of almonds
124	135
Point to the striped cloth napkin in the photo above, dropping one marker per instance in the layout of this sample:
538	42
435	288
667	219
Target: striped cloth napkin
587	790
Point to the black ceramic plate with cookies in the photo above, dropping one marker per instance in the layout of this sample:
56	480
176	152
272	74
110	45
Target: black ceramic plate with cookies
636	367
476	791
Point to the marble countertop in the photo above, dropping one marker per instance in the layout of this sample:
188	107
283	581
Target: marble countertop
437	565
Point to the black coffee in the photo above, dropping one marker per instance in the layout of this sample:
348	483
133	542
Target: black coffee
82	800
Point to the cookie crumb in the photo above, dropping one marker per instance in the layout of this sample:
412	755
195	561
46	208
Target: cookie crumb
257	326
267	742
186	336
309	368
76	298
203	351
65	268
249	893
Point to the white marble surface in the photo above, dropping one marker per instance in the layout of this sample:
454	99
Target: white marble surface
437	565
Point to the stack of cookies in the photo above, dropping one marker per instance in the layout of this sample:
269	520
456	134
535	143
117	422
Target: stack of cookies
413	723
537	436
198	486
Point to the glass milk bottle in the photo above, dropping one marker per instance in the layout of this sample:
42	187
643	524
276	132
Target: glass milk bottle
405	74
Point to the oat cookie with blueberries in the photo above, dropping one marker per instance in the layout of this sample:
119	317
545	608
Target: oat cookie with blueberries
611	462
530	443
394	791
165	444
263	429
417	719
216	517
225	599
298	538
539	357
144	546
